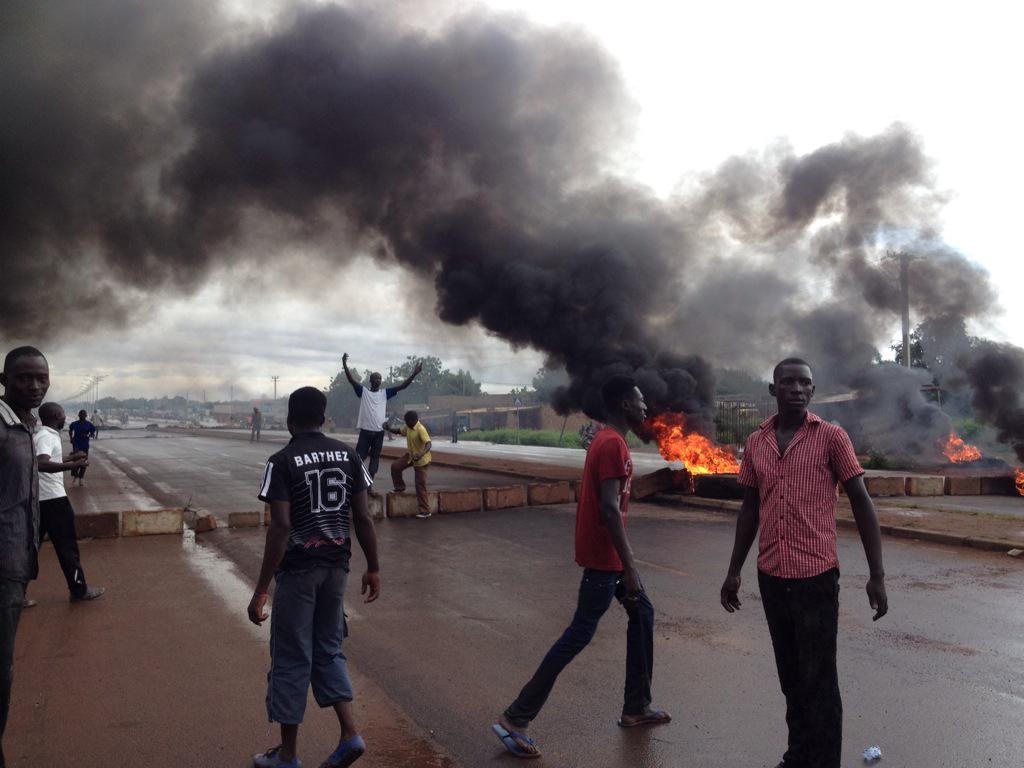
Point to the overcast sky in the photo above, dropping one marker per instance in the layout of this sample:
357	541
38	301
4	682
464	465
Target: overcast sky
710	80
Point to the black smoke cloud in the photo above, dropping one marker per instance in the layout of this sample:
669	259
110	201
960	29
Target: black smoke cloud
793	241
996	375
471	156
151	144
85	92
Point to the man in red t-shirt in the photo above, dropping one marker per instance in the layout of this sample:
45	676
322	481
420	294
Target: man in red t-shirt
603	550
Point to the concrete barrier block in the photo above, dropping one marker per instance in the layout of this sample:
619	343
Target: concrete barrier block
1002	485
576	485
962	486
465	500
548	493
929	485
244	519
375	503
406	505
886	486
101	525
138	522
505	497
664	479
718	486
200	520
205	523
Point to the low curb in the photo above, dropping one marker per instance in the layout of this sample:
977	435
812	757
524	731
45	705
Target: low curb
895	531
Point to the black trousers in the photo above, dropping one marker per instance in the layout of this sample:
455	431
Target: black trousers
57	518
12	595
803	618
79	471
370	444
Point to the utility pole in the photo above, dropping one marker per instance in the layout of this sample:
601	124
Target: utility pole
904	265
275	378
96	390
905	304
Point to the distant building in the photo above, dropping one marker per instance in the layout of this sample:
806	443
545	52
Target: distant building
484	412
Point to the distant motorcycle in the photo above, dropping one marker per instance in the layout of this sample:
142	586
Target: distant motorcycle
587	433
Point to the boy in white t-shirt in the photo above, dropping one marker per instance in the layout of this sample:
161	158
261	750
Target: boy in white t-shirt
373	403
56	515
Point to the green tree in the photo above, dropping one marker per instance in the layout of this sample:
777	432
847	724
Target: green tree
547	380
434	379
935	346
342	403
730	381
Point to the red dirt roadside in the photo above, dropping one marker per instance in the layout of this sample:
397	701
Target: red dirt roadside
165	671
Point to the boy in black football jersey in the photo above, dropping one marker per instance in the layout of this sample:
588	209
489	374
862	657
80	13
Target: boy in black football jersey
316	488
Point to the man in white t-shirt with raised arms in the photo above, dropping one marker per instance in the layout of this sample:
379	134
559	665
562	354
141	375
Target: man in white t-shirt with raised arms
373	403
56	515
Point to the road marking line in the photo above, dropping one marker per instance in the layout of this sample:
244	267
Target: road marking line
662	567
164	487
139	471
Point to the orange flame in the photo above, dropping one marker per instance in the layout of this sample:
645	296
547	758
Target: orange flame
698	454
1018	476
958	451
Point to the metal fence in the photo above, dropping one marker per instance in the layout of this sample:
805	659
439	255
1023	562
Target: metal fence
737	416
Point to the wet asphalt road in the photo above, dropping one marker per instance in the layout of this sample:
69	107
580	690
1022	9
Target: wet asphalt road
223	475
472	602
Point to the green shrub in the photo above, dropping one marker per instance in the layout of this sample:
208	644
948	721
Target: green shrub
546	437
967	428
879	460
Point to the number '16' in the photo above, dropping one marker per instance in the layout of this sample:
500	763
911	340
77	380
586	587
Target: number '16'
326	489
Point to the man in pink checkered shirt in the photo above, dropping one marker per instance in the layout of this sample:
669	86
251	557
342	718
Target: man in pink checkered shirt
791	470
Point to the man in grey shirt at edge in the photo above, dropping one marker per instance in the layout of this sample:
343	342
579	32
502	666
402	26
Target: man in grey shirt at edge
25	379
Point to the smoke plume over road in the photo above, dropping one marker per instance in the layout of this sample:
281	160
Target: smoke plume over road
148	145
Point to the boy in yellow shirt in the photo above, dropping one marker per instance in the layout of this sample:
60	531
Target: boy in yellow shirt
418	457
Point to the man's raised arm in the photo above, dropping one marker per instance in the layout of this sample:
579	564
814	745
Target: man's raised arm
415	372
348	373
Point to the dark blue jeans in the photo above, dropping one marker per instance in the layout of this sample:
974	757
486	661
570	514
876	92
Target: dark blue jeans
597	588
370	444
803	618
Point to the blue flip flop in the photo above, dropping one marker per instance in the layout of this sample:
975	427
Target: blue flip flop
513	741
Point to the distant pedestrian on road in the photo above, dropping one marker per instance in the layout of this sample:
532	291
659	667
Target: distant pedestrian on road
372	409
25	379
81	432
417	440
255	425
791	468
609	571
316	488
56	515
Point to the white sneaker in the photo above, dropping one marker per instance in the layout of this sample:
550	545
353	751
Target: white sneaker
271	759
422	516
